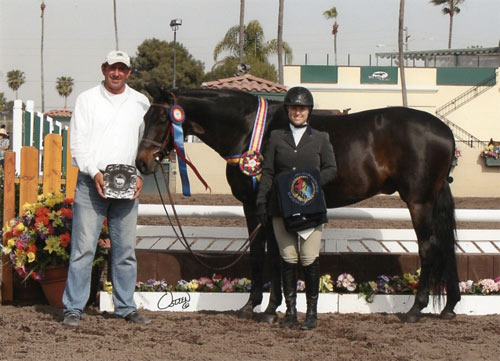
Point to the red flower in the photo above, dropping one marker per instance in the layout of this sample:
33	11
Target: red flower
217	277
42	211
43	219
67	212
65	238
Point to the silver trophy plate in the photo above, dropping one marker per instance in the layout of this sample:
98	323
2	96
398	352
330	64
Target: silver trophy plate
120	181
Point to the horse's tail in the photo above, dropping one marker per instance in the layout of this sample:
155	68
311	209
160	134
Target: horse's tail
444	268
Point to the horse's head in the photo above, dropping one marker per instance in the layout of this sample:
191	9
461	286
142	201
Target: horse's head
156	142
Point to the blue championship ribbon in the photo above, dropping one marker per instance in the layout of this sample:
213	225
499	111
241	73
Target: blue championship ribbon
177	117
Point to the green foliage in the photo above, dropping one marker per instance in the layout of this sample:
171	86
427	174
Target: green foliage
255	50
15	78
3	102
331	13
154	65
64	87
450	7
228	68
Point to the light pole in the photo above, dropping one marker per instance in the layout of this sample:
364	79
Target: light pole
174	24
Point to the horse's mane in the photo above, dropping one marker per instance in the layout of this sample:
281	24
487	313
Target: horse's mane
215	93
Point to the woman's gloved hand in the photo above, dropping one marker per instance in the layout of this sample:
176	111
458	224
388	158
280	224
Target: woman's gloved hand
262	213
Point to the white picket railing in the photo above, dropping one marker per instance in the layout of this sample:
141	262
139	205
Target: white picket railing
335	240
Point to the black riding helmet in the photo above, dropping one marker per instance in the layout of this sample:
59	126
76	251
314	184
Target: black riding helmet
298	96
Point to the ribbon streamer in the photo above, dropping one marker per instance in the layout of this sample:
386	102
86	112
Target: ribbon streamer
178	136
177	117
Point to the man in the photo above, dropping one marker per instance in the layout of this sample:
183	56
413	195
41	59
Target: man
105	129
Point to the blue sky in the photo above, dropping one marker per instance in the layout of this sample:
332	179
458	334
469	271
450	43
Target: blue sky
79	33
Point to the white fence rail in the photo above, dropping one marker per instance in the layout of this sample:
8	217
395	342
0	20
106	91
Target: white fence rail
384	214
335	240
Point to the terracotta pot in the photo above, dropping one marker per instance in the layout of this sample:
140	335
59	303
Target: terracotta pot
53	283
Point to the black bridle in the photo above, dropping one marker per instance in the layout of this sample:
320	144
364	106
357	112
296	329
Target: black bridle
161	153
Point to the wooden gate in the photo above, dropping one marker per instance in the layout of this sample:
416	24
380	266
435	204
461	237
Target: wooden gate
51	177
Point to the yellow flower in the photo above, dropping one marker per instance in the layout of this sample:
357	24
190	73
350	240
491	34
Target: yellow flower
52	244
373	285
20	227
31	257
30	207
8	226
56	218
7	249
193	285
108	287
20	257
11	242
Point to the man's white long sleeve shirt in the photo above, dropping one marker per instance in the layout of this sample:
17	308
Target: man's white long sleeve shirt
106	128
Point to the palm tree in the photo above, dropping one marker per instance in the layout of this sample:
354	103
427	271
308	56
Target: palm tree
64	87
15	78
400	48
254	45
116	26
42	7
450	8
242	30
3	102
280	41
332	14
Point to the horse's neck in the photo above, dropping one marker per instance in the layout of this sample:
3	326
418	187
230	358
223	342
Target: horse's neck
226	135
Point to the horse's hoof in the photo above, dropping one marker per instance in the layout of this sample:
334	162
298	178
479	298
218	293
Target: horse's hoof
246	312
269	318
411	318
448	315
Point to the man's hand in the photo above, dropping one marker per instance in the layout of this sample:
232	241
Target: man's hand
138	187
99	184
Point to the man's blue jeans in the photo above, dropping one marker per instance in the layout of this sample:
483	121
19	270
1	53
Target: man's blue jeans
89	211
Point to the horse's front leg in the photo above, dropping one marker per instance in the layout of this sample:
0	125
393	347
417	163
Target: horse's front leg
273	261
257	257
257	263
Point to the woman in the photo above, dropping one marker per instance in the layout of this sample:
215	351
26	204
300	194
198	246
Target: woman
295	148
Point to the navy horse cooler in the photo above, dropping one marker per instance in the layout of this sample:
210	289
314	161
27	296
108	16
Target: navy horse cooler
301	199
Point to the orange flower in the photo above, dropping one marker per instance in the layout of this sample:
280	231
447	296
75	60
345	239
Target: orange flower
42	211
67	212
32	248
65	238
42	219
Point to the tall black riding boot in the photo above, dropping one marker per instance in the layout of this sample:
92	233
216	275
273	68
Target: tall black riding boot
311	278
289	272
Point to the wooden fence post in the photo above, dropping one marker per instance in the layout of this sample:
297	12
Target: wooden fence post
28	182
9	210
52	162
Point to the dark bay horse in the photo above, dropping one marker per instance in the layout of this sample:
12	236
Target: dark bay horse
377	151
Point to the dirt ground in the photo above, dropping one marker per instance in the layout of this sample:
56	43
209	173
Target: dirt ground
35	332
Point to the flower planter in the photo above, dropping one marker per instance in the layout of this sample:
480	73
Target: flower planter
53	284
492	162
327	303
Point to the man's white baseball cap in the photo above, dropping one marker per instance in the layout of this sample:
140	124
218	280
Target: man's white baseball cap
118	56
